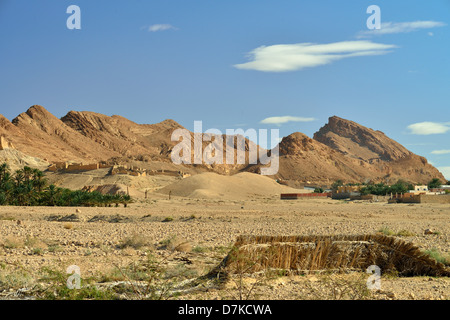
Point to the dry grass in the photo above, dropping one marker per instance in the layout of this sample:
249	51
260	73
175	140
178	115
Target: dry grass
13	242
135	241
303	254
68	225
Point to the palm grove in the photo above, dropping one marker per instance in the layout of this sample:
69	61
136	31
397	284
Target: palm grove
28	187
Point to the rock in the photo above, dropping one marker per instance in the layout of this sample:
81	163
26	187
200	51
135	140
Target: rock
428	231
391	295
78	211
184	247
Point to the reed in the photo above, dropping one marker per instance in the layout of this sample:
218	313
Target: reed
318	253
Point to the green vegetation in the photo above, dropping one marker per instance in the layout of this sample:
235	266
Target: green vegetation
318	190
434	183
28	187
436	255
59	290
402	233
336	184
381	189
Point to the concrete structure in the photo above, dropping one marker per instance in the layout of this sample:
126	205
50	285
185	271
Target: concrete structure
424	198
348	189
420	189
421	198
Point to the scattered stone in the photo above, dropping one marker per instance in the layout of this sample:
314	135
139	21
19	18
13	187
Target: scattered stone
428	231
112	219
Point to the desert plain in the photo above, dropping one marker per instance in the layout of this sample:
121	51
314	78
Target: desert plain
162	247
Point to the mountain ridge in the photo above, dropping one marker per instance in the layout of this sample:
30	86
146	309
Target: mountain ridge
341	149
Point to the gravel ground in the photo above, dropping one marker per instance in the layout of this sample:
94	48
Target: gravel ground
195	235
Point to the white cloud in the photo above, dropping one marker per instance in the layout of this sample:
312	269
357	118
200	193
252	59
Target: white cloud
291	57
160	27
445	171
427	128
284	119
440	151
401	27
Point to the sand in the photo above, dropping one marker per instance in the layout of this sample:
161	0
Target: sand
241	186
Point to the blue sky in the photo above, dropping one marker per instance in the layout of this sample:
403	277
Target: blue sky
236	64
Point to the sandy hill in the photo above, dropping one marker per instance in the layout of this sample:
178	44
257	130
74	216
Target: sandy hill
243	185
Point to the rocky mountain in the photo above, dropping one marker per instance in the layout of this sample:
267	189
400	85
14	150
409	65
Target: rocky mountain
39	133
149	142
342	149
306	161
359	142
385	158
122	136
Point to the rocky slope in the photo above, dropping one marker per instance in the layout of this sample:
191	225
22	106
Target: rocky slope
143	141
359	142
39	133
122	136
375	151
342	149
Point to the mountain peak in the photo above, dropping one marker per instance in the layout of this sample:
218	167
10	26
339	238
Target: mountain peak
358	141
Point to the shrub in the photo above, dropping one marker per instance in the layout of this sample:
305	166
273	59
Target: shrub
135	241
436	255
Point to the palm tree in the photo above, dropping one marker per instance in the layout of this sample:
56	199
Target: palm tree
27	173
19	177
52	192
38	180
4	169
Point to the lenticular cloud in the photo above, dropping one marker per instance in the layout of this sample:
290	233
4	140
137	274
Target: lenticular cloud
293	57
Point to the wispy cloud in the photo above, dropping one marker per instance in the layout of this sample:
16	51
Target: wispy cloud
284	119
440	152
427	128
401	27
445	171
292	57
159	27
